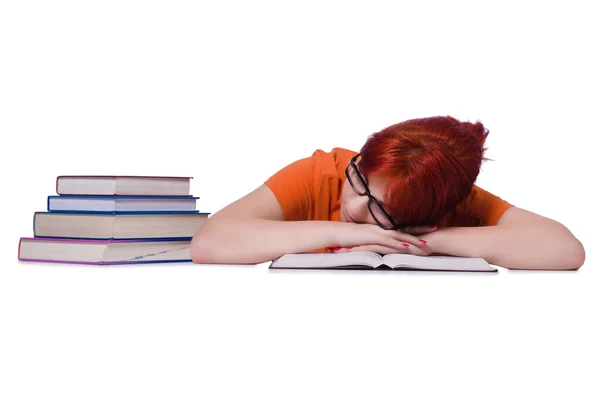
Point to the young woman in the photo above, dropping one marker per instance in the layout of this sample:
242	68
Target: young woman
410	189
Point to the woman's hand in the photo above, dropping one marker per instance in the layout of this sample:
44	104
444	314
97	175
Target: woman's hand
368	237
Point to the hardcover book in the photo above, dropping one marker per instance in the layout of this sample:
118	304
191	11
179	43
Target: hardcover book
103	252
122	203
123	185
117	226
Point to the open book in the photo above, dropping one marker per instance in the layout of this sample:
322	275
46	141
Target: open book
372	260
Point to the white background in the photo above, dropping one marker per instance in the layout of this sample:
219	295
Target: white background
229	94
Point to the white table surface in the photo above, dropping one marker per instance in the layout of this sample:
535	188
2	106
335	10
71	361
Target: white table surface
228	330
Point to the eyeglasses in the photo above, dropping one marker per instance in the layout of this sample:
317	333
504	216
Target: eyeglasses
359	184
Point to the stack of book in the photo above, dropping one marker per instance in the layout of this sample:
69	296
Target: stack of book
115	220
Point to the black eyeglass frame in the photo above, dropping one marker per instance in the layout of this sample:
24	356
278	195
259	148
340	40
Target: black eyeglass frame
352	163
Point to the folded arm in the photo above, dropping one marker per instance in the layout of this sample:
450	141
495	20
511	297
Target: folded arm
520	240
254	229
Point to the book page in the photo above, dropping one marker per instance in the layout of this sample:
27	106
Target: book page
147	251
441	263
327	260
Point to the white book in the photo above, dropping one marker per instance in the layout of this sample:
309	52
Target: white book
122	203
122	185
117	225
373	260
103	252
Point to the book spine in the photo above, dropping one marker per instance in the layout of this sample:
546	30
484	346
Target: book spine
142	262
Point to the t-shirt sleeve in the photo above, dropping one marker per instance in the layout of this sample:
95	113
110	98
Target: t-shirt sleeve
480	208
293	187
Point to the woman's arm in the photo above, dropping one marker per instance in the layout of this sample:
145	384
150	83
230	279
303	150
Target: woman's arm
258	240
520	240
254	230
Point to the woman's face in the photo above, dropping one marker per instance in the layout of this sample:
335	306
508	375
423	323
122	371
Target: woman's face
353	207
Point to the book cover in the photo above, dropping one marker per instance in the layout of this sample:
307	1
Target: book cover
121	204
103	252
141	185
117	226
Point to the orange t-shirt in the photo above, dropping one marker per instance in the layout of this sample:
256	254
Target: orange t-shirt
311	189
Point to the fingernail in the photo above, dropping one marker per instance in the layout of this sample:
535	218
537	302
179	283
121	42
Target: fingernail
406	245
336	249
423	241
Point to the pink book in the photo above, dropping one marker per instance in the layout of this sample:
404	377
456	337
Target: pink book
123	185
103	252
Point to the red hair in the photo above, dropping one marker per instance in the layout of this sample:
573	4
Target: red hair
433	163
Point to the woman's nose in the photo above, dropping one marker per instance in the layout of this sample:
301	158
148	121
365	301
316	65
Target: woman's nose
357	206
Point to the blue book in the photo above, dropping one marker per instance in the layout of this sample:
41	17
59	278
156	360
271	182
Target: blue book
122	204
118	226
